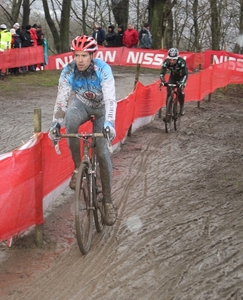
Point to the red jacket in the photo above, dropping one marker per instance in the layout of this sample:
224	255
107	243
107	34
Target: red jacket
33	36
130	38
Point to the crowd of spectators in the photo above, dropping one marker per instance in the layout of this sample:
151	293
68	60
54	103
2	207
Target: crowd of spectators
119	37
16	37
31	36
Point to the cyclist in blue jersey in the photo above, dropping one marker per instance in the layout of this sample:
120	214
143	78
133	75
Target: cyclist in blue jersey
93	83
178	73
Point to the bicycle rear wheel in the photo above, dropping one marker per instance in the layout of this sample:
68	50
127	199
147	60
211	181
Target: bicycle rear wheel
98	199
168	117
83	211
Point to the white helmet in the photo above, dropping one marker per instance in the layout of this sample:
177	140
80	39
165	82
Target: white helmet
173	53
3	26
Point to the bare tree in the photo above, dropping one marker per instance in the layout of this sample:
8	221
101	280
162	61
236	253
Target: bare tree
159	13
120	10
15	10
52	26
64	26
215	29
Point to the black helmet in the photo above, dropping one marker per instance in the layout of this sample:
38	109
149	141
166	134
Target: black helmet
173	53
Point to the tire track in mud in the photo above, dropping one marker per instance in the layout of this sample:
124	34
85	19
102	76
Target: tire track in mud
101	247
179	228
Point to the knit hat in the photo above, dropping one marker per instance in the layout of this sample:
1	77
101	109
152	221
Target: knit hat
3	26
16	25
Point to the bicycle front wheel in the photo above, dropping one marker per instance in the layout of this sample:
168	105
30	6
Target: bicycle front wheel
84	209
168	118
98	200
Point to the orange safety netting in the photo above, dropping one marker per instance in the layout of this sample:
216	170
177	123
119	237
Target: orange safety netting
19	57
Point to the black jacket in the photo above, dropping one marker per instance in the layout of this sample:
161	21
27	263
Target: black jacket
111	37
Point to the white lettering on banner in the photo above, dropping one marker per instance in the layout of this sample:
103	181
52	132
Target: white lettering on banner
61	63
145	58
220	59
235	63
108	56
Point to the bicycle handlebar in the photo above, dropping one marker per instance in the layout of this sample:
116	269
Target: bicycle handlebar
81	136
170	84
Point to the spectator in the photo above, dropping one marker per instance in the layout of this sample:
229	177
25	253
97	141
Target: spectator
16	43
40	35
33	34
5	42
130	37
41	41
99	34
5	37
26	41
119	36
26	37
111	37
18	32
145	37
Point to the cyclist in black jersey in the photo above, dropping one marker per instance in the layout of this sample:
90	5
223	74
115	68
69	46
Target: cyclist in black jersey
178	73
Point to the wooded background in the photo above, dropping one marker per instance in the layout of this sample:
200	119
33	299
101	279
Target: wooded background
190	25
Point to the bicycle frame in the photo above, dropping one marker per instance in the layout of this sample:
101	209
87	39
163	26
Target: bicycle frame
172	106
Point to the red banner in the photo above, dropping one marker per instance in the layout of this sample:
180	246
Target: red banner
218	57
19	57
119	56
122	56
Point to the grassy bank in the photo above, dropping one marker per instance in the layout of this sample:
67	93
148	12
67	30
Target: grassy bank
11	84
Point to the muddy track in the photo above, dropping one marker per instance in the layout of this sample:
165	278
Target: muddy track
179	228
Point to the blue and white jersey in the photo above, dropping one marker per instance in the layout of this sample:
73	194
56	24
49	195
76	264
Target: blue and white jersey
94	89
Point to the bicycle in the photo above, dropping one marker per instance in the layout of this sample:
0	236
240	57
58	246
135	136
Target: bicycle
88	190
172	108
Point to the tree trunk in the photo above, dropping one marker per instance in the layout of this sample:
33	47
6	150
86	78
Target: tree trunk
159	13
64	26
26	12
215	29
15	10
52	26
169	32
196	46
120	11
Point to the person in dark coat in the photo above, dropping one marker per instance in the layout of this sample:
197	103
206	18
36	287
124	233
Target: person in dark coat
99	34
119	36
110	37
145	37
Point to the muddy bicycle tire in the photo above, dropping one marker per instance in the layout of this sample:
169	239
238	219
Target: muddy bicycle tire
168	117
177	115
83	209
98	199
